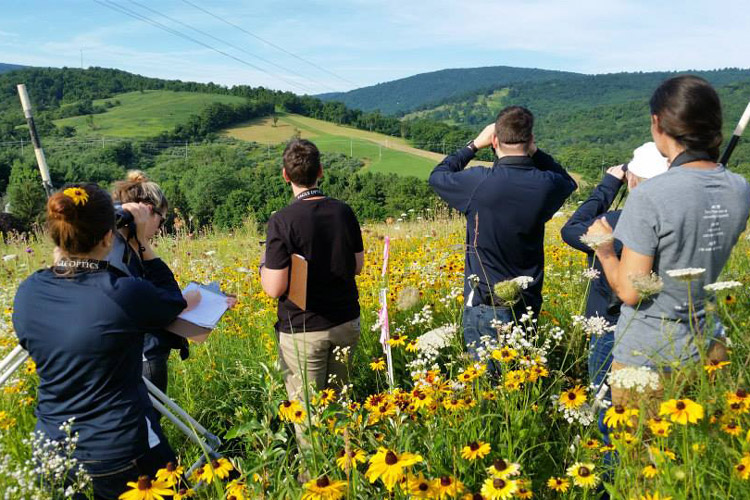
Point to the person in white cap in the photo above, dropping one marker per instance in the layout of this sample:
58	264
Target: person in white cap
646	163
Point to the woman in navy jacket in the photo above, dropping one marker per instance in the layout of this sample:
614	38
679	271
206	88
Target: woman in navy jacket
83	324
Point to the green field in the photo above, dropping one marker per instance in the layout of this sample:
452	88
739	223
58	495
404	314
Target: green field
381	153
455	113
144	114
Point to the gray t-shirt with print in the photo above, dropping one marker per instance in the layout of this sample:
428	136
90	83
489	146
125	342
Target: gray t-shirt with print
684	218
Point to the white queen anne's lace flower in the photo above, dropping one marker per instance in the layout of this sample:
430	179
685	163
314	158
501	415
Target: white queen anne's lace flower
431	343
686	274
594	241
638	378
594	325
647	284
590	273
523	281
722	285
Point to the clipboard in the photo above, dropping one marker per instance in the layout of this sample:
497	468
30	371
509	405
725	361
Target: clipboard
197	324
297	292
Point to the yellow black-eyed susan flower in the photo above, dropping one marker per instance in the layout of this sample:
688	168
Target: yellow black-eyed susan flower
497	488
715	365
346	461
742	469
559	484
170	474
324	488
77	194
183	493
448	487
389	466
503	468
573	398
659	427
732	428
583	475
238	489
420	487
146	489
475	449
618	415
650	471
682	411
377	365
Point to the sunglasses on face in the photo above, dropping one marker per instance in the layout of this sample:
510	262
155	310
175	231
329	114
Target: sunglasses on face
162	217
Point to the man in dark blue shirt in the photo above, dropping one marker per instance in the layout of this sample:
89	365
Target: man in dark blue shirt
506	208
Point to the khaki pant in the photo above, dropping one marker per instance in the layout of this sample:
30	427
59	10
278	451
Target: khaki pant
310	356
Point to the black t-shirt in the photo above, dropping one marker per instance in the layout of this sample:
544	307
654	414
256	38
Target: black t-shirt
326	233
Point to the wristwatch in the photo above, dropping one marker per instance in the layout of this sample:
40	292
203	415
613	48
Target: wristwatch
472	146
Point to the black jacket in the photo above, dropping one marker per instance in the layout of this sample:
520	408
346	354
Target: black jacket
506	208
85	334
596	206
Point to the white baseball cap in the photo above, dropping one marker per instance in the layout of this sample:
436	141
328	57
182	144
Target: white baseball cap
647	161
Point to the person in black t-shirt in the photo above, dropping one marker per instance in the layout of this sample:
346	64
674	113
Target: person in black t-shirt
326	233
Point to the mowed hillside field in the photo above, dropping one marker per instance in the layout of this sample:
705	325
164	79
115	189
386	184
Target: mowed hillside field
144	114
380	152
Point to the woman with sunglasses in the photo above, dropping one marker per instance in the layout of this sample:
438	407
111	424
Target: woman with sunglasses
125	255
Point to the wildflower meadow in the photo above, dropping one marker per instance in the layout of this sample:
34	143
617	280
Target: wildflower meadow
520	424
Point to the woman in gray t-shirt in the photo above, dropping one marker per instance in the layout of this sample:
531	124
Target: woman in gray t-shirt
689	217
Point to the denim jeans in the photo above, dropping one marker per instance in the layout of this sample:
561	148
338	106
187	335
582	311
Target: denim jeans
110	477
477	324
600	358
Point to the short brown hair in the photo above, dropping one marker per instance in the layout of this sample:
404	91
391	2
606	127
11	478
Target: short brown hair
78	222
689	110
514	125
302	162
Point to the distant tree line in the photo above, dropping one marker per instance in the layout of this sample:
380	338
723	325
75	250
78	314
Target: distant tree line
223	183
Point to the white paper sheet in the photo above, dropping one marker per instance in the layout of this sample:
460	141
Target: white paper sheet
209	310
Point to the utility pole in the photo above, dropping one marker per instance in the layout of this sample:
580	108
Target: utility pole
81	58
351	148
186	149
41	160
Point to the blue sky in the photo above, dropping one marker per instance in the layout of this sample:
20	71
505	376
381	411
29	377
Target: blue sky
338	45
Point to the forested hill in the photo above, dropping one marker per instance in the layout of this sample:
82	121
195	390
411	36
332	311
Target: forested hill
471	96
407	94
4	67
569	95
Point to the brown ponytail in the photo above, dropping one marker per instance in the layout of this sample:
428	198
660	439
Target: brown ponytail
137	188
78	217
689	110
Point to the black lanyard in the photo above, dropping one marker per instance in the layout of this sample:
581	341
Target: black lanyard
70	267
688	156
310	193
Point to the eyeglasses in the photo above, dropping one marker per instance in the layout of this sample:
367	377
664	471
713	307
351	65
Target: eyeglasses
624	168
162	217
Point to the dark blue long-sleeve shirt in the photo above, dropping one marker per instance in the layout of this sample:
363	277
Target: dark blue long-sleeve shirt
594	208
506	208
85	334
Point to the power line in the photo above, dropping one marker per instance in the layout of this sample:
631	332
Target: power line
236	47
140	17
282	49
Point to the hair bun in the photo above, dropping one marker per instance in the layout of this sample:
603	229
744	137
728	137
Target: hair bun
61	207
137	176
